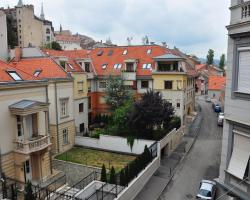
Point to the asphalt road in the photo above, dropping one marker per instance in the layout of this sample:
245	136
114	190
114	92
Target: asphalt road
202	162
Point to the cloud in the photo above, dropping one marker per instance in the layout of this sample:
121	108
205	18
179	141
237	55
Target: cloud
192	25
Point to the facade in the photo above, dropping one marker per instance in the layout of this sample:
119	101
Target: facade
69	42
215	86
234	170
25	137
3	36
30	30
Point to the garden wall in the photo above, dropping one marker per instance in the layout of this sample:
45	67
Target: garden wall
113	143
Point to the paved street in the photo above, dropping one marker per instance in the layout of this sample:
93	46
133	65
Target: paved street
202	162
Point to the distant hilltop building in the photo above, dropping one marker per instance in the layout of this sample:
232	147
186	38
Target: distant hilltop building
28	29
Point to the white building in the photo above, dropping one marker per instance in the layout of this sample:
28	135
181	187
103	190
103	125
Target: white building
3	36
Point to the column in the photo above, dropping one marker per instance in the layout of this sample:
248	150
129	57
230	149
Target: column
24	123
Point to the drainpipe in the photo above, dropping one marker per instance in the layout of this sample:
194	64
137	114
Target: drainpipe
48	128
57	126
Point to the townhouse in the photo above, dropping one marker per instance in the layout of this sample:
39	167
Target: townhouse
234	169
215	86
25	146
60	94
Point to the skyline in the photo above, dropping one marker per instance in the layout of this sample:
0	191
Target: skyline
127	18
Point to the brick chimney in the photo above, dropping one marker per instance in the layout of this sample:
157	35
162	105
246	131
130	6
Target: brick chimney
18	54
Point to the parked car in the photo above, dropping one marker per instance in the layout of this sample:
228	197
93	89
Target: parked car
207	190
208	99
217	108
220	119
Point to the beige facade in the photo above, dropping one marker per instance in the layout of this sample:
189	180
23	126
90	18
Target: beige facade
24	137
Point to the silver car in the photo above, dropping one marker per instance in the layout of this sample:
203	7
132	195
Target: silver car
207	190
220	119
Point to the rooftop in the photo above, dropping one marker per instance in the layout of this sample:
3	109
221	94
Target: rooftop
216	82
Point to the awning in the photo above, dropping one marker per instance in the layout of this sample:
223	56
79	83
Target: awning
240	156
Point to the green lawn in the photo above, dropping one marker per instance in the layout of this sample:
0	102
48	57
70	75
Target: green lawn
96	158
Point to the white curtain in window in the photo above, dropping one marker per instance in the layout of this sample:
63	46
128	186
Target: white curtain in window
244	72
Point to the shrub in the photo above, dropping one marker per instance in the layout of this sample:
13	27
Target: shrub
112	178
103	174
29	192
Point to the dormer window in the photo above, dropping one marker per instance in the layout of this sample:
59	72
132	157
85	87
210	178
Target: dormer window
70	66
87	66
130	67
104	66
63	64
15	75
147	66
149	51
37	72
99	53
117	66
125	52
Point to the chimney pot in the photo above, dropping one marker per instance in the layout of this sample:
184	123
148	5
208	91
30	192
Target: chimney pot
18	54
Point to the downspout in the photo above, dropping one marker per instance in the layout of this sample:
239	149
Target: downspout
57	126
48	123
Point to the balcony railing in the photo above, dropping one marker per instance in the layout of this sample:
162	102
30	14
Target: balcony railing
129	75
245	11
32	145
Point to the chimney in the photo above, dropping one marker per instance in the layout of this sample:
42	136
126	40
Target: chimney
18	54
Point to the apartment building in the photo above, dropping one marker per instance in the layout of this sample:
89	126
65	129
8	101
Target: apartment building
30	30
234	170
60	94
72	62
25	146
3	36
68	42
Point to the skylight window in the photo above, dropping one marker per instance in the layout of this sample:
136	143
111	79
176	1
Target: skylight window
146	66
117	66
15	76
110	53
149	51
36	73
104	66
125	52
99	53
70	66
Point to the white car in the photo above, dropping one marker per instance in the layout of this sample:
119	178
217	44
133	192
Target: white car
207	190
220	119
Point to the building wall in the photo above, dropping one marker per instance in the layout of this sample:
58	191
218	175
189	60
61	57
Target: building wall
216	94
69	45
8	164
143	90
3	36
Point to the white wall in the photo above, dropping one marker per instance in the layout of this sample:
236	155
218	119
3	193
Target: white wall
3	36
81	117
143	90
113	143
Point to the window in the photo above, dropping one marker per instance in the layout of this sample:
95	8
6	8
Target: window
81	107
178	103
130	67
146	66
179	85
80	63
70	66
48	38
64	107
14	75
168	85
169	101
102	84
125	52
244	71
19	126
63	63
149	51
80	86
82	128
65	136
87	66
99	53
36	73
144	84
48	31
117	66
27	166
104	66
110	53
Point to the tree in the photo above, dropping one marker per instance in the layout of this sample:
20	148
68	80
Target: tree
29	192
112	178
103	174
122	178
210	57
12	35
222	62
117	94
151	112
54	45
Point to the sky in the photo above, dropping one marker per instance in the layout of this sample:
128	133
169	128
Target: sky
194	26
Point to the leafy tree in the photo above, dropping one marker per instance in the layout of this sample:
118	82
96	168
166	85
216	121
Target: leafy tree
112	178
29	192
12	35
151	112
210	57
117	94
222	62
54	45
103	174
174	123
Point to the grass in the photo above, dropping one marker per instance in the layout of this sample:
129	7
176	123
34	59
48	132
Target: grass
96	158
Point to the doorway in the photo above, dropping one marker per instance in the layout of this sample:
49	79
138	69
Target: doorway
27	171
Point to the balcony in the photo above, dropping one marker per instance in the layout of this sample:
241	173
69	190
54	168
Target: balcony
129	75
34	144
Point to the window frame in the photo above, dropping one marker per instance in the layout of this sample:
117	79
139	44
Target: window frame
81	89
65	132
64	112
81	107
14	75
144	82
165	85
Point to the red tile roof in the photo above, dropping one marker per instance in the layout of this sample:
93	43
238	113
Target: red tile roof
68	38
71	55
5	77
216	82
200	67
48	67
117	57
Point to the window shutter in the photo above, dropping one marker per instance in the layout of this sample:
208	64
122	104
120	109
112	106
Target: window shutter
244	72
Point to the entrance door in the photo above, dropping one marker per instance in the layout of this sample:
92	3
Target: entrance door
27	171
82	127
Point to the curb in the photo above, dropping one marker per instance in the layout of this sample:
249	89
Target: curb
187	152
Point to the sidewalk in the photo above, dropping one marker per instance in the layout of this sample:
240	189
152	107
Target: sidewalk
163	176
